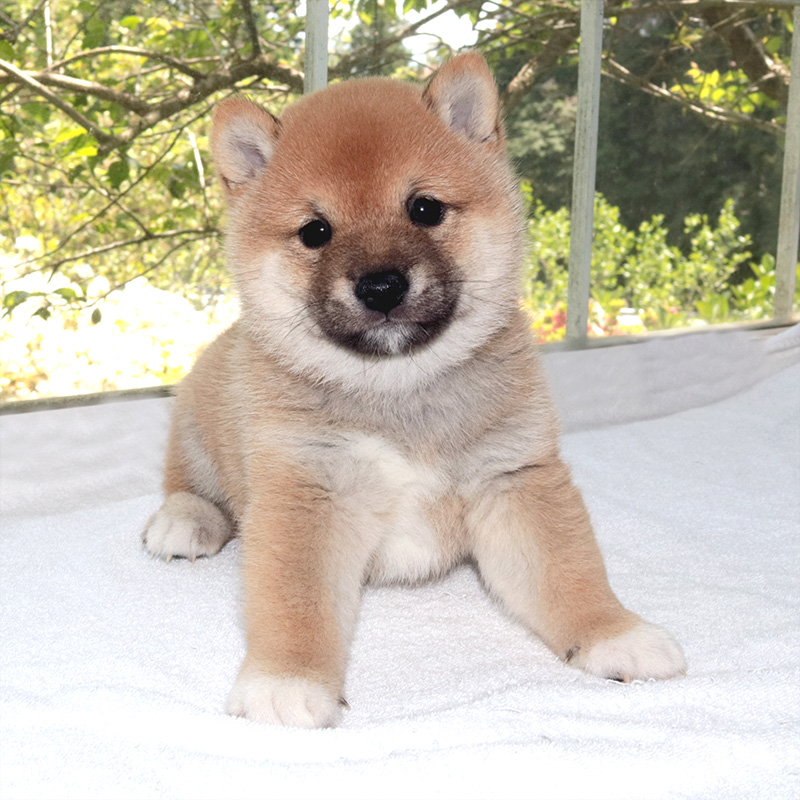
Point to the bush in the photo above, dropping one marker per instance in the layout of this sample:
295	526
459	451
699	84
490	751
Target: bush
639	281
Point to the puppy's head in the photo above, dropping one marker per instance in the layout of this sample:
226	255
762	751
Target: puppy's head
373	229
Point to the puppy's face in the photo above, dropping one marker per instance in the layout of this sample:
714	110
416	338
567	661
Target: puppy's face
373	225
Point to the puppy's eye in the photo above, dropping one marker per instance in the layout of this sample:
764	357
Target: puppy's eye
315	233
426	211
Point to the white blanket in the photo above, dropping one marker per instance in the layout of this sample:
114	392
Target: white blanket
115	667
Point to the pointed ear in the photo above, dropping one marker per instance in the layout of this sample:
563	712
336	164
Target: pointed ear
243	139
464	95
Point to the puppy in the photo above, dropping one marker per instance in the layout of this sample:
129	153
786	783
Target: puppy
378	412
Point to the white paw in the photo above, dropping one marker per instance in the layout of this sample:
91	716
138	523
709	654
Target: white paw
283	700
643	652
186	526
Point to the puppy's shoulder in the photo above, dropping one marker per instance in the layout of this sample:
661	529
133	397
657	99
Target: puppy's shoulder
234	372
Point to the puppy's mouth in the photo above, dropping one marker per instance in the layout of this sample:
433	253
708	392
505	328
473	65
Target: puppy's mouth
386	315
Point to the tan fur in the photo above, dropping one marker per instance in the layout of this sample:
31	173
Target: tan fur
342	448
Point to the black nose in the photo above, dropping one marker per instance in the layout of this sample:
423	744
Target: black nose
382	291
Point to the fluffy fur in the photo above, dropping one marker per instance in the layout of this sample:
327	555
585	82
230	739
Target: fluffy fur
347	443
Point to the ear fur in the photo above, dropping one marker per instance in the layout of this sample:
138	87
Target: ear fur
243	140
463	94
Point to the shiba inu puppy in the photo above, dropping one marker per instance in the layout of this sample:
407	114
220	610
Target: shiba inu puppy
378	412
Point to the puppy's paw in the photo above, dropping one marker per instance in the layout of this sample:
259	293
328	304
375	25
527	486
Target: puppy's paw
186	526
283	700
645	651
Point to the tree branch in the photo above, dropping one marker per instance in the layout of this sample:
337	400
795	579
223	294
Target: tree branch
558	44
252	29
200	233
366	54
152	268
175	63
102	137
705	110
68	237
149	114
80	86
211	83
750	55
11	35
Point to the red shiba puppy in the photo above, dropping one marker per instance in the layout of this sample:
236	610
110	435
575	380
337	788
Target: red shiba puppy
378	412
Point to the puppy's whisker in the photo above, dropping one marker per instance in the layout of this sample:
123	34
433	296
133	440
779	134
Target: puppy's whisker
297	320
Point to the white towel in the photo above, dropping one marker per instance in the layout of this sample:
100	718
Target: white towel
115	668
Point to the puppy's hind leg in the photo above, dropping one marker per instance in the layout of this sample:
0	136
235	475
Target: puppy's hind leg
186	525
536	550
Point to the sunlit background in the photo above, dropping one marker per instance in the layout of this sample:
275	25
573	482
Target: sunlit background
111	264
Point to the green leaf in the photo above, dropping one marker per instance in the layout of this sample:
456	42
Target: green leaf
43	312
13	299
131	22
7	51
7	162
97	315
86	152
118	172
40	112
67	293
69	133
177	188
95	33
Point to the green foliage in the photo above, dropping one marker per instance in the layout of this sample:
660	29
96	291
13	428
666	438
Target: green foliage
711	133
376	29
116	180
108	171
540	137
660	284
730	89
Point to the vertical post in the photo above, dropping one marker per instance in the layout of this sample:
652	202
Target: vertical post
789	224
584	170
48	34
316	58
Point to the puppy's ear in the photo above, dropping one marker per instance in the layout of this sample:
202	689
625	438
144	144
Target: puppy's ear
464	95
243	140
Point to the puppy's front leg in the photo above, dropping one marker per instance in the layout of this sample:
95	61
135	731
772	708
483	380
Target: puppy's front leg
536	550
303	571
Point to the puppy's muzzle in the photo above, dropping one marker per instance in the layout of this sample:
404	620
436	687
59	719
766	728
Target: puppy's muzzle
382	291
386	308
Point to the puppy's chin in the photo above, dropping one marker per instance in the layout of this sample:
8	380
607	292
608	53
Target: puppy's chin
387	337
394	338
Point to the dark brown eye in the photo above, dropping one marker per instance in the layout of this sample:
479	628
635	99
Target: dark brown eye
315	233
426	211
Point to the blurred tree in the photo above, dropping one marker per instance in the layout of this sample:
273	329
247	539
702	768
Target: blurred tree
104	117
692	110
104	112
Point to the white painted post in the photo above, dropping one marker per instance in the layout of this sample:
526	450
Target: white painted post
789	221
584	170
316	56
